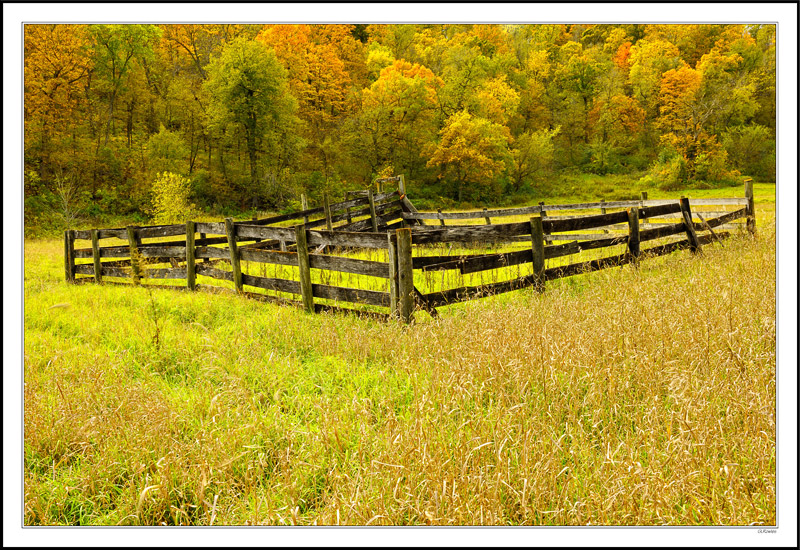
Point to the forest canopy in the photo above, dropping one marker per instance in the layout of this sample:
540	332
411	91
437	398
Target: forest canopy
251	116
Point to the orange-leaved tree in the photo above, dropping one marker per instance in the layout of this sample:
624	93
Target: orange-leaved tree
683	118
322	63
56	72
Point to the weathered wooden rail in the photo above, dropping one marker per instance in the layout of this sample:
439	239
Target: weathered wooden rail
388	225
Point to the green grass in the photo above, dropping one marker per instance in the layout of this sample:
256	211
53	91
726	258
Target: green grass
623	397
589	188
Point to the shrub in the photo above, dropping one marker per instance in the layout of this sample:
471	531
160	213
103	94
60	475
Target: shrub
671	170
751	150
202	187
167	151
603	158
169	199
711	168
668	173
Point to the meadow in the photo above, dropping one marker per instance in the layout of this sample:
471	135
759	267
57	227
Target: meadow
627	397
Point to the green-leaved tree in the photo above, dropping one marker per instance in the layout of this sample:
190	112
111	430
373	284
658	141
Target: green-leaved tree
249	95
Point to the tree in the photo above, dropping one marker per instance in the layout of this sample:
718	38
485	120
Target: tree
497	100
169	199
464	69
115	49
399	39
680	120
320	61
167	152
199	42
578	76
764	76
536	73
683	120
56	74
727	89
649	60
248	90
693	41
531	155
751	150
396	119
471	150
616	125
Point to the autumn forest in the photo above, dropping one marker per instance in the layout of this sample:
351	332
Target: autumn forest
244	117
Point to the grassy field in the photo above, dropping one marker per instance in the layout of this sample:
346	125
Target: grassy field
629	397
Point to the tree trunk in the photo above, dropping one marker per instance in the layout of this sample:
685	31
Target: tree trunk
251	153
110	117
585	119
222	162
129	126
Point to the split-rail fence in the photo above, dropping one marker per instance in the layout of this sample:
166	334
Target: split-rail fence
326	238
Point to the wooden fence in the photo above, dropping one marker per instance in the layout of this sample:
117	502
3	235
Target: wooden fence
387	228
221	249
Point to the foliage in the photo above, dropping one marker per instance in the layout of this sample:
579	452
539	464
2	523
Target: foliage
708	169
250	113
396	120
668	173
471	151
169	199
167	152
751	150
249	95
322	63
531	157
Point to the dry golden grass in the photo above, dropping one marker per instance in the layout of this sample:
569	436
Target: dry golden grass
627	397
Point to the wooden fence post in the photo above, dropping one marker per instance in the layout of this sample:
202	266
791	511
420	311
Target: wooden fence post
603	211
694	244
306	289
537	248
751	205
203	243
133	246
327	205
98	275
372	215
190	268
547	238
405	275
230	232
488	221
304	206
255	219
441	219
401	185
633	234
69	255
393	292
644	198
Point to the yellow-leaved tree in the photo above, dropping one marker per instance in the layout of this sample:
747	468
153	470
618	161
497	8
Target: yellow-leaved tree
169	199
472	150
